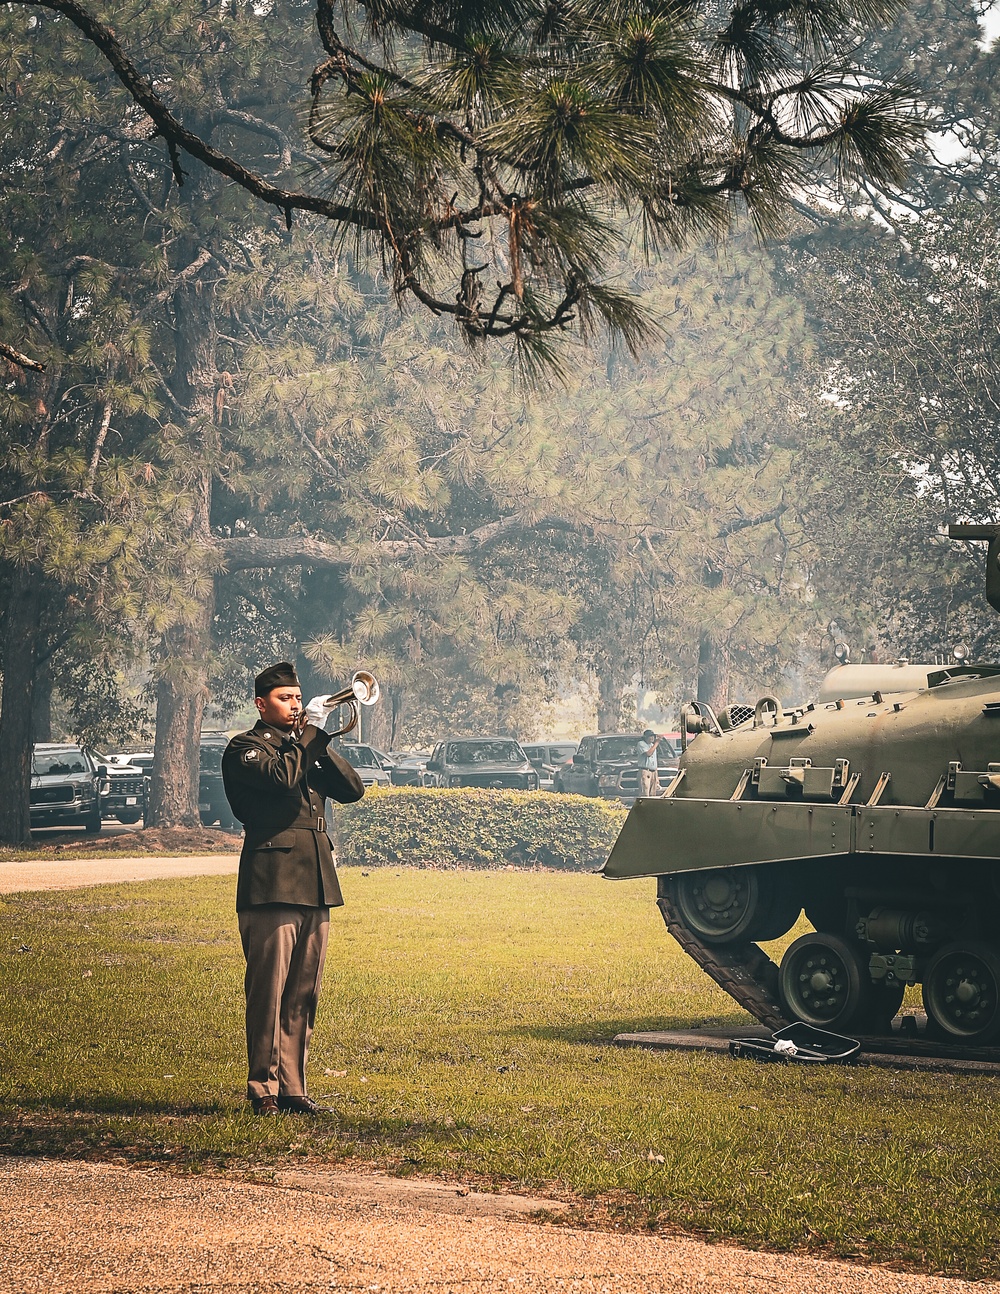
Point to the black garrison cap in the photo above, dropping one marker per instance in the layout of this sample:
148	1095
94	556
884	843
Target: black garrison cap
280	675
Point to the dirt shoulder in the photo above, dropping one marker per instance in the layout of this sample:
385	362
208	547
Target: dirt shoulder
106	1227
59	873
117	841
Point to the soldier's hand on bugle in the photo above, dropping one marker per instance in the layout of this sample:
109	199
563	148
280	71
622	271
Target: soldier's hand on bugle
315	713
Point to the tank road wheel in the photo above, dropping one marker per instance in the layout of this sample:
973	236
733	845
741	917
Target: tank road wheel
962	992
823	980
729	904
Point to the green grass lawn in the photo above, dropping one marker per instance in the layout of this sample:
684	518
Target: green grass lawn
463	1033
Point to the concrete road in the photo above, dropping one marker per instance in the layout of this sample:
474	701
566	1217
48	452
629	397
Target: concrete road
108	1229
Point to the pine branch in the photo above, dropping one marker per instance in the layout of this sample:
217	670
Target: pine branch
745	523
179	409
547	135
260	127
248	552
136	188
60	496
179	138
182	276
20	359
100	436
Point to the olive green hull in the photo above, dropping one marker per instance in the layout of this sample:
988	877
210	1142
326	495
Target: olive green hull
922	758
665	836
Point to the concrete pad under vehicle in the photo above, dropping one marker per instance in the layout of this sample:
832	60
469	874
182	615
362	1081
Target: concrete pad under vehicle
898	1051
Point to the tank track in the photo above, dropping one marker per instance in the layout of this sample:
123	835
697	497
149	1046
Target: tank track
742	970
747	974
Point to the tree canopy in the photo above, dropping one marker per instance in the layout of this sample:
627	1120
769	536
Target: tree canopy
908	365
488	151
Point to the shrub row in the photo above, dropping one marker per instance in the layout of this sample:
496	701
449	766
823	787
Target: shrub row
473	828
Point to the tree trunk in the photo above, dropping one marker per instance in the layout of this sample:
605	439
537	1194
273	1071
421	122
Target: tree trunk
377	722
394	701
610	687
41	711
507	696
713	674
185	650
181	696
21	629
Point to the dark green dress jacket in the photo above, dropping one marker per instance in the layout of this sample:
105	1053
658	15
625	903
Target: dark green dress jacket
278	787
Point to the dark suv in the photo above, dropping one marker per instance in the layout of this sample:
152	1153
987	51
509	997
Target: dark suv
212	803
607	765
66	787
496	762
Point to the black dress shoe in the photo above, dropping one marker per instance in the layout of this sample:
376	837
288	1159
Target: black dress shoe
301	1105
265	1104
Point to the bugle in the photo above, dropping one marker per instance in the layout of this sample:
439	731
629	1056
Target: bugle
362	690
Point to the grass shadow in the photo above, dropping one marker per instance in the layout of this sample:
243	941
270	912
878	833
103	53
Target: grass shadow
594	1033
124	1107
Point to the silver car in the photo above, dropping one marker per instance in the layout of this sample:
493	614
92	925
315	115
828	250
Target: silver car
372	765
545	758
495	762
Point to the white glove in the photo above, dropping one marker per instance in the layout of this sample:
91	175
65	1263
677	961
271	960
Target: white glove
317	710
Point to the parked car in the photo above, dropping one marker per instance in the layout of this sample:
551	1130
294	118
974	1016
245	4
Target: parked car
546	757
67	785
409	770
607	765
497	762
212	803
128	789
372	765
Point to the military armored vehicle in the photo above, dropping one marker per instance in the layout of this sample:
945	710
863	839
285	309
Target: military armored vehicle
878	815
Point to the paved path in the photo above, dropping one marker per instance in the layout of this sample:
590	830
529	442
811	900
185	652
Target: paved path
108	1229
68	873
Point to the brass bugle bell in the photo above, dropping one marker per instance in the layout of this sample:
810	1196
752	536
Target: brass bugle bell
362	690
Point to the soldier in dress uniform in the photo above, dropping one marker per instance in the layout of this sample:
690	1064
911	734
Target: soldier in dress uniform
278	777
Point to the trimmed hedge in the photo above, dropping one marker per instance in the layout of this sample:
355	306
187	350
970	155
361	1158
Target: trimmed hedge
472	828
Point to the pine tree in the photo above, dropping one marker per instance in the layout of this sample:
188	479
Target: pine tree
471	144
85	497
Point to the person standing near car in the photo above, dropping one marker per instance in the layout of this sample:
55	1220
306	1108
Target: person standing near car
277	778
649	778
